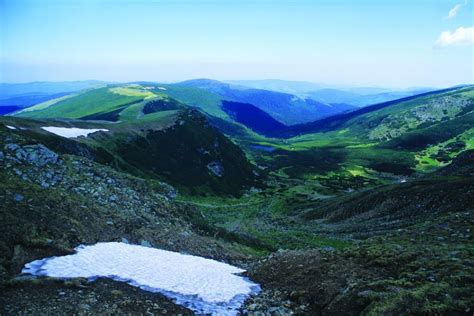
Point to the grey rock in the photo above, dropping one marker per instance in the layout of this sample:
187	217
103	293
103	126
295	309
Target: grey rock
276	310
38	155
145	243
216	168
173	194
12	147
252	307
21	278
328	248
295	295
365	293
21	154
303	307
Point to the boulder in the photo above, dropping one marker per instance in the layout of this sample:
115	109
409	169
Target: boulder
216	168
37	155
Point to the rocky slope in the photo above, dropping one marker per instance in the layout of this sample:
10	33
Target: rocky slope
190	153
51	202
180	147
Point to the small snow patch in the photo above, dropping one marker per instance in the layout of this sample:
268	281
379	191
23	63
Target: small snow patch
200	284
10	127
72	132
162	88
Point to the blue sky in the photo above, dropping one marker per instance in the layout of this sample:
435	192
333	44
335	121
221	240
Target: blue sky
392	43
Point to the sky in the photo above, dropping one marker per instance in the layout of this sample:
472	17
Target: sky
389	43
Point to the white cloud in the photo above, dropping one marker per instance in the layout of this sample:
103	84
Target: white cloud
454	11
461	36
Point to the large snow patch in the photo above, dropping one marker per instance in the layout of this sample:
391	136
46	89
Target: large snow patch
203	285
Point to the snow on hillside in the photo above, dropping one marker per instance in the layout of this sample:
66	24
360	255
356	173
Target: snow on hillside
72	132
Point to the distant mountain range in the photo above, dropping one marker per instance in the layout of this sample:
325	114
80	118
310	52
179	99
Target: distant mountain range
288	102
332	94
230	106
286	108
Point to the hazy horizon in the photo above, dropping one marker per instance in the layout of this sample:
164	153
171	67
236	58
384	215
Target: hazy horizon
323	85
392	44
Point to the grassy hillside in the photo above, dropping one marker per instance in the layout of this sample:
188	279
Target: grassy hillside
46	104
339	121
207	102
92	102
285	108
177	145
190	153
252	117
124	99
